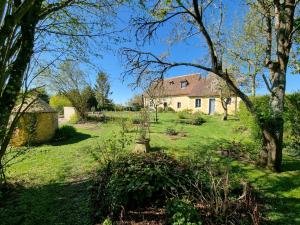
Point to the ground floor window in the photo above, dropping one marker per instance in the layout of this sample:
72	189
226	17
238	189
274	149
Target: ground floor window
178	105
165	105
197	103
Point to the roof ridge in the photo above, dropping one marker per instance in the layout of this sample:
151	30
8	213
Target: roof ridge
37	105
186	75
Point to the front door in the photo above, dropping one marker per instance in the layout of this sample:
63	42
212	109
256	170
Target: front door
211	106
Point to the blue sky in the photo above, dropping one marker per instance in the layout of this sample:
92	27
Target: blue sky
189	51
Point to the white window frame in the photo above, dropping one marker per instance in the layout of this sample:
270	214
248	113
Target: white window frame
200	102
185	84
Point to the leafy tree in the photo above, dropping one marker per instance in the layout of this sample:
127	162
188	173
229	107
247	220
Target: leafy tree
136	102
102	90
42	94
154	93
295	62
90	97
71	82
58	102
246	49
193	17
225	94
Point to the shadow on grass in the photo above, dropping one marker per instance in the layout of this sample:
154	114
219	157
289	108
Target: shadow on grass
290	165
75	138
284	210
280	193
56	203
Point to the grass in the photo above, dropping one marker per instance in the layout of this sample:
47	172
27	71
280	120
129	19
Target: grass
52	181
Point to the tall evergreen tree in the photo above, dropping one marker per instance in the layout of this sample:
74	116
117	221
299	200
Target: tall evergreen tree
102	90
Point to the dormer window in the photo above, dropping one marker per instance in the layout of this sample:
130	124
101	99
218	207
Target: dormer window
183	84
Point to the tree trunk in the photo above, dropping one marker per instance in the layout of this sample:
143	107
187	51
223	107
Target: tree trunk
225	115
156	114
253	77
224	103
271	155
273	125
16	73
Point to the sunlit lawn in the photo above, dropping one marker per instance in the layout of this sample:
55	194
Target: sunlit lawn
52	181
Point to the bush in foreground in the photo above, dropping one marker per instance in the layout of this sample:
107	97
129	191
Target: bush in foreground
182	212
137	182
140	180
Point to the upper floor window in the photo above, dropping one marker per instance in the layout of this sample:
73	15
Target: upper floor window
178	105
198	103
183	84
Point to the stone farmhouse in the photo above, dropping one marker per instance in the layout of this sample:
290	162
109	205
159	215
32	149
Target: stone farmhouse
189	92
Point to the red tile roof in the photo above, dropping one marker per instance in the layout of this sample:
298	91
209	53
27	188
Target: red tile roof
196	86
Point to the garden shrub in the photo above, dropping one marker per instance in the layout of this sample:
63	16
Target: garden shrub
180	212
197	120
138	181
74	118
136	120
125	124
193	119
261	104
141	180
184	114
160	109
171	131
64	133
292	119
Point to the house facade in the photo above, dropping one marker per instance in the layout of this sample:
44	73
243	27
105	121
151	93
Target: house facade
189	92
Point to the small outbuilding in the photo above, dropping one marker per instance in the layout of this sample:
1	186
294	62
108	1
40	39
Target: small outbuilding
37	125
69	112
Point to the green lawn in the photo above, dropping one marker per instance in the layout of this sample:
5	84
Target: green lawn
52	181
